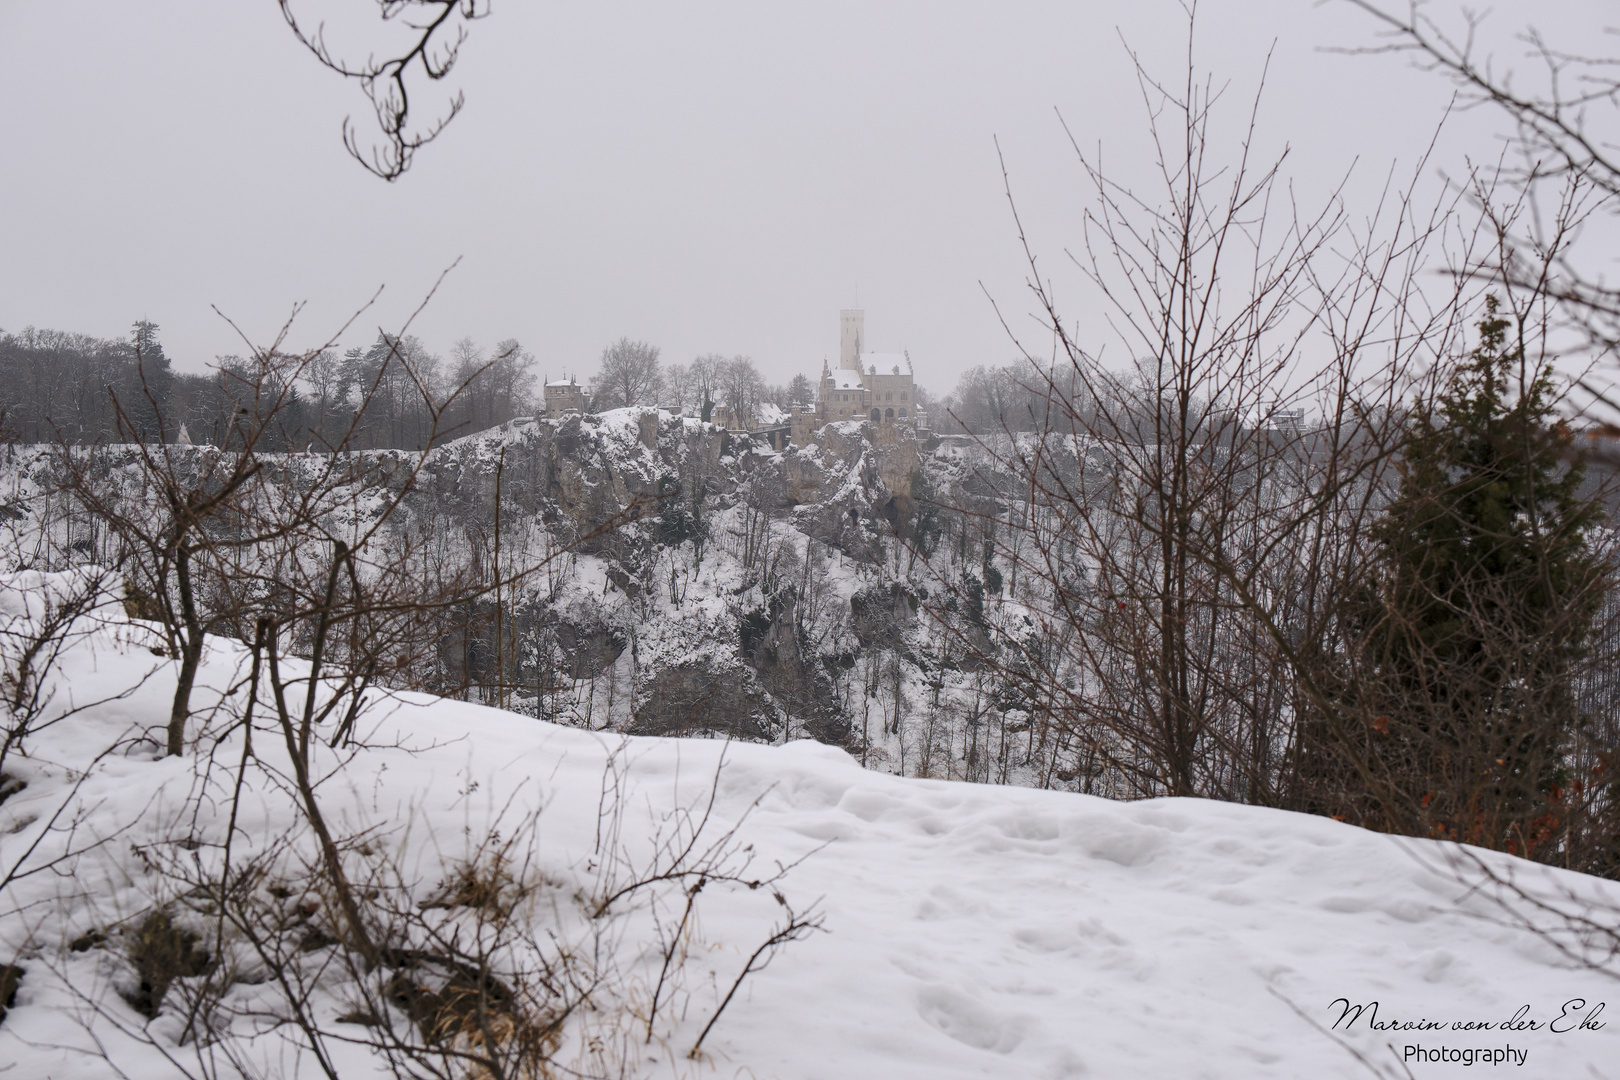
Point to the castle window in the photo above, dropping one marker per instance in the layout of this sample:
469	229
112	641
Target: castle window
889	396
888	414
902	398
902	412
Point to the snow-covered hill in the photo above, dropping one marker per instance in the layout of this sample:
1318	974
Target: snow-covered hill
965	930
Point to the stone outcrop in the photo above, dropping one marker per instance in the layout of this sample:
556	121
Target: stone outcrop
698	698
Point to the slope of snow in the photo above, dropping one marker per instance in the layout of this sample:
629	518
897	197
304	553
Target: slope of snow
971	931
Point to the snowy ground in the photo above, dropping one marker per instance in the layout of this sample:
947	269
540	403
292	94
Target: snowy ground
970	930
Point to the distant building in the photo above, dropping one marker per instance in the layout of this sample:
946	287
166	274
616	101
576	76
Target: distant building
1276	420
1291	421
564	397
870	387
725	416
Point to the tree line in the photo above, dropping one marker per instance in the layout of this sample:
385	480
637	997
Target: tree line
59	385
631	373
393	393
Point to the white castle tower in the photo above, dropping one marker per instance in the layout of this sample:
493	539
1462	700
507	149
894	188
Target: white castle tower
851	338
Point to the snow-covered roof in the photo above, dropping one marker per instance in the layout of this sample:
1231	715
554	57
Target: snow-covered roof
885	362
845	379
769	414
562	382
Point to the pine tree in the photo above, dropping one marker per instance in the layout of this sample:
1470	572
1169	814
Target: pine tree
1482	601
801	391
146	392
143	335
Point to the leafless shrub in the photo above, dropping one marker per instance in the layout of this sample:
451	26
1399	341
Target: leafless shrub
32	641
1575	917
493	970
1179	534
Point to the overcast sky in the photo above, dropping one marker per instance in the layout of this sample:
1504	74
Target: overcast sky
710	177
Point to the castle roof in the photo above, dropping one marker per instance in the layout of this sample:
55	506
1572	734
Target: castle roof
885	361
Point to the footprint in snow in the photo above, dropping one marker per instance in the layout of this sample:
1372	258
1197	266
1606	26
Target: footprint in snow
868	805
969	1022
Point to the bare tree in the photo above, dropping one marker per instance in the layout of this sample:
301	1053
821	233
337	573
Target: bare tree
1181	538
993	400
741	388
510	380
491	388
198	497
701	384
204	521
678	385
704	373
280	560
629	375
1562	161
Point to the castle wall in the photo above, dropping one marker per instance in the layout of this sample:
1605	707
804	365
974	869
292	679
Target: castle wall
891	393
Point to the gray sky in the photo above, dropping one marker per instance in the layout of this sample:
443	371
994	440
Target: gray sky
711	177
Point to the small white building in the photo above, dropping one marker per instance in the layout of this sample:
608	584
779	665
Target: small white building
564	397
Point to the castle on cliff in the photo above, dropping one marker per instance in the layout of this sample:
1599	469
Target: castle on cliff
866	387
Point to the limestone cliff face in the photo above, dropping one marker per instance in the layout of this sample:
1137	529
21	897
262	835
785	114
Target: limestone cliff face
585	475
663	575
699	581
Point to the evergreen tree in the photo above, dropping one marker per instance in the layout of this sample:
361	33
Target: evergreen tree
1483	595
145	393
801	391
144	336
